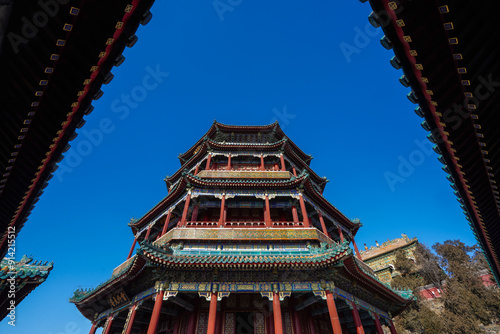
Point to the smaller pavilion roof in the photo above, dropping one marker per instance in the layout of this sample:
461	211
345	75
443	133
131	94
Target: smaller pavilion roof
386	247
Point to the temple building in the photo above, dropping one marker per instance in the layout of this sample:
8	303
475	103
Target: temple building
381	258
244	242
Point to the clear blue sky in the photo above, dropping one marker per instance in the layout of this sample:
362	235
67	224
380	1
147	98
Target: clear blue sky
260	62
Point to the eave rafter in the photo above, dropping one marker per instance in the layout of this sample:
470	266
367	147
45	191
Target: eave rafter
43	106
454	78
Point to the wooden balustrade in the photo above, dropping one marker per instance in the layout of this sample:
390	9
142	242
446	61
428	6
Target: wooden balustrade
244	224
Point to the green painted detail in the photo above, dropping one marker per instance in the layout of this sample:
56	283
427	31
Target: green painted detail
176	256
290	181
24	268
81	294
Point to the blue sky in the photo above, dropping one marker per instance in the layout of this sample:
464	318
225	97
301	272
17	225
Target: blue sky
252	64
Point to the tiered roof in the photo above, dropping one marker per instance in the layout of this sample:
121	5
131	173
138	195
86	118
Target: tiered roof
273	128
333	257
185	175
277	141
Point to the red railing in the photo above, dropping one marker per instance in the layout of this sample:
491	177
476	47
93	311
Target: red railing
243	224
202	224
288	224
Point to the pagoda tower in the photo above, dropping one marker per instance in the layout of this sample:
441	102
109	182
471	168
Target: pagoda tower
244	242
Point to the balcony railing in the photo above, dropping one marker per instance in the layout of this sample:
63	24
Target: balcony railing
240	174
288	224
277	224
245	224
202	224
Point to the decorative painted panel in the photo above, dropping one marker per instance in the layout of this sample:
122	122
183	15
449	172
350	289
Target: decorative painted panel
229	323
324	327
118	298
242	234
287	323
202	326
259	323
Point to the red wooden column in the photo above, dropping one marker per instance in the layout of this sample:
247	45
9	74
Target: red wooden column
323	226
222	217
378	326
218	322
209	159
278	324
392	327
261	167
212	314
357	319
294	171
177	324
295	215
107	329
130	321
155	316
229	162
93	328
270	324
192	322
194	215
341	235
332	310
185	211
148	232
356	249
282	161
267	213
132	248
167	221
304	211
312	330
296	322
